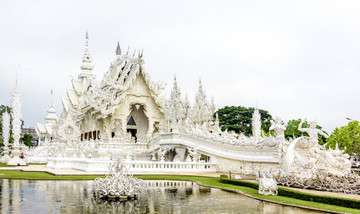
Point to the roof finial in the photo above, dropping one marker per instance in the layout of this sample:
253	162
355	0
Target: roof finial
87	39
16	81
118	49
51	97
87	66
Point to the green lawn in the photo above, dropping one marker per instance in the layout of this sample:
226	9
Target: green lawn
213	182
4	165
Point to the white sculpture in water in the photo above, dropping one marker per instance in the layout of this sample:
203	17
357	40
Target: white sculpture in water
6	136
118	184
16	114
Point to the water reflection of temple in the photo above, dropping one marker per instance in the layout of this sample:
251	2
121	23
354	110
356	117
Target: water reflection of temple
23	196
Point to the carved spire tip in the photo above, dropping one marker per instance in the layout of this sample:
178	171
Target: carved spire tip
118	49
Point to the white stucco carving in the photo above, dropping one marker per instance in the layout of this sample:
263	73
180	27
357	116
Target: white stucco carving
16	113
309	165
267	184
6	136
5	128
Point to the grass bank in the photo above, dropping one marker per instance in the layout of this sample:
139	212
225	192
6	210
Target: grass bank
208	181
4	165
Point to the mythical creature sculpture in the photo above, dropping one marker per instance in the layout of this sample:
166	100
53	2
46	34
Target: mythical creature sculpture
267	184
193	154
312	131
162	153
278	126
309	165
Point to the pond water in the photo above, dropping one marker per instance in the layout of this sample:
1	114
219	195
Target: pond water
25	196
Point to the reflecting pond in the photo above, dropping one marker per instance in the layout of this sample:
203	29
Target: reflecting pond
25	196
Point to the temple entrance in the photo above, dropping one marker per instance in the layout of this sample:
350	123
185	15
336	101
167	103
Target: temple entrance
133	133
137	123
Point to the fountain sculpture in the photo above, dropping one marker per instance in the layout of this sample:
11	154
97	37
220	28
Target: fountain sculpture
117	184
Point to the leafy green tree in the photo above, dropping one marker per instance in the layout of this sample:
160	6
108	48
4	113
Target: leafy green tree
239	119
27	140
347	136
293	132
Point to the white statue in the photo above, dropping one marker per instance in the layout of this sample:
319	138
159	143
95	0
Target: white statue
267	184
193	154
162	153
312	131
278	126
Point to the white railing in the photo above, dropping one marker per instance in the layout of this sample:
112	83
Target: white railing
93	165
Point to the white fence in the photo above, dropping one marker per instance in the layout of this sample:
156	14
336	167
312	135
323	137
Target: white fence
93	165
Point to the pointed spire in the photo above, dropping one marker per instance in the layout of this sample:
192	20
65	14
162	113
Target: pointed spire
87	39
118	49
51	117
87	66
51	96
175	83
200	85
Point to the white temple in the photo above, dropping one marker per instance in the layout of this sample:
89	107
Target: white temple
125	114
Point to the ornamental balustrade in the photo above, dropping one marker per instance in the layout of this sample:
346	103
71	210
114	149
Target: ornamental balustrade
134	166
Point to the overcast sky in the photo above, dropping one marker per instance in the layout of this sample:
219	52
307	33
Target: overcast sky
295	59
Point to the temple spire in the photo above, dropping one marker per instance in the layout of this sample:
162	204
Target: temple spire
87	66
118	49
51	117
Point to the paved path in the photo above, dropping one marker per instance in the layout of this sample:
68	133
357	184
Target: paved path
43	168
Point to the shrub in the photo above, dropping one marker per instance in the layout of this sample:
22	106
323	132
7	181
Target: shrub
344	202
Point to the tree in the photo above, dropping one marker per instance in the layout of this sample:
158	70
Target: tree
27	140
293	132
347	136
238	119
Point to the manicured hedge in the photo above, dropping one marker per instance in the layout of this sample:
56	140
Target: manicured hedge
224	179
344	202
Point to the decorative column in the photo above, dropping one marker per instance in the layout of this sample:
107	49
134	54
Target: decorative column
6	135
256	124
16	126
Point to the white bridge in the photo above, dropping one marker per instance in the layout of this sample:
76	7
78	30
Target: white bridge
95	156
